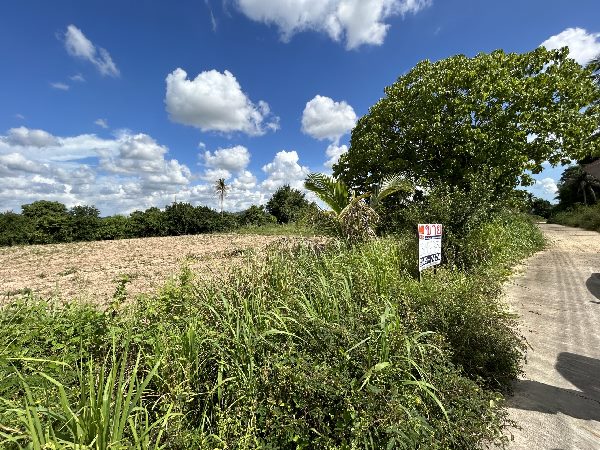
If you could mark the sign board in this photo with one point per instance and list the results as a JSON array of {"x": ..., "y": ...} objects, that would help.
[{"x": 430, "y": 245}]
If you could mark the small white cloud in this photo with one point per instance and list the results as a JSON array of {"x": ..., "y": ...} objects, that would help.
[
  {"x": 357, "y": 22},
  {"x": 78, "y": 45},
  {"x": 20, "y": 116},
  {"x": 60, "y": 86},
  {"x": 214, "y": 101},
  {"x": 284, "y": 169},
  {"x": 234, "y": 159},
  {"x": 334, "y": 152},
  {"x": 103, "y": 123},
  {"x": 548, "y": 185},
  {"x": 324, "y": 118},
  {"x": 583, "y": 46},
  {"x": 215, "y": 174},
  {"x": 25, "y": 137},
  {"x": 77, "y": 77}
]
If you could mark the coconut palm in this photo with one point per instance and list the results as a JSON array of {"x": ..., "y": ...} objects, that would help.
[
  {"x": 354, "y": 217},
  {"x": 575, "y": 182},
  {"x": 221, "y": 189}
]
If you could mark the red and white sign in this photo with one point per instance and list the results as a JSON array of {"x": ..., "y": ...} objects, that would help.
[{"x": 430, "y": 245}]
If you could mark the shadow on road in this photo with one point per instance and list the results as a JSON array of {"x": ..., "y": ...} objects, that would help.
[
  {"x": 581, "y": 371},
  {"x": 593, "y": 285}
]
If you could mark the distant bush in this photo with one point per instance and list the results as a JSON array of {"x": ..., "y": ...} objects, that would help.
[{"x": 581, "y": 216}]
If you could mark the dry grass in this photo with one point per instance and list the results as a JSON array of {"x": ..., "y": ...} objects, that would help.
[{"x": 88, "y": 271}]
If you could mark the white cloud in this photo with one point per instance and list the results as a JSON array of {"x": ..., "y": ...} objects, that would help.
[
  {"x": 324, "y": 118},
  {"x": 78, "y": 45},
  {"x": 548, "y": 185},
  {"x": 130, "y": 171},
  {"x": 284, "y": 169},
  {"x": 20, "y": 116},
  {"x": 26, "y": 137},
  {"x": 214, "y": 101},
  {"x": 103, "y": 123},
  {"x": 234, "y": 159},
  {"x": 583, "y": 46},
  {"x": 60, "y": 86},
  {"x": 334, "y": 152},
  {"x": 357, "y": 22},
  {"x": 77, "y": 77}
]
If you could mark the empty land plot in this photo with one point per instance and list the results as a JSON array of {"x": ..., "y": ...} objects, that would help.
[{"x": 89, "y": 271}]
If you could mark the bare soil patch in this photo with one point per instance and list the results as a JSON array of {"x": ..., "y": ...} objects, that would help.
[{"x": 89, "y": 271}]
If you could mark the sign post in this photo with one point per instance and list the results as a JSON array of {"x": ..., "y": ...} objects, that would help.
[{"x": 430, "y": 245}]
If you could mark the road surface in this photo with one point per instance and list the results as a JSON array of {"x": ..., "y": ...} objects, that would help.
[{"x": 557, "y": 295}]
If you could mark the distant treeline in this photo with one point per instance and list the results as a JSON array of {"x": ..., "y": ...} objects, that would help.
[{"x": 48, "y": 222}]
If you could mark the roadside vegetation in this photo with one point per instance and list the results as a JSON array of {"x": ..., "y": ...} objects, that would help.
[{"x": 334, "y": 344}]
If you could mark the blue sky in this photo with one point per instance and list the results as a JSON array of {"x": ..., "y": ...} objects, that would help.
[{"x": 127, "y": 105}]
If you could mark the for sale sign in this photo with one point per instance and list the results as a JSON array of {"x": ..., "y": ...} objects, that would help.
[{"x": 430, "y": 245}]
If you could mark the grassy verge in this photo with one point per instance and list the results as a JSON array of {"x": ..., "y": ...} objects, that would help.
[
  {"x": 587, "y": 217},
  {"x": 312, "y": 347}
]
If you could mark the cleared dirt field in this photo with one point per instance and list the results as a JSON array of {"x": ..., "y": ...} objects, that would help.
[{"x": 88, "y": 271}]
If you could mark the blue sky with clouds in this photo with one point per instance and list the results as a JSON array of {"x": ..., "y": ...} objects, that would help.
[{"x": 127, "y": 105}]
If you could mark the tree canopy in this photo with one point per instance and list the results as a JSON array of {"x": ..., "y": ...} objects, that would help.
[{"x": 490, "y": 117}]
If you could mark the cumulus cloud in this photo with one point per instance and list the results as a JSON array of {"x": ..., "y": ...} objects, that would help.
[
  {"x": 102, "y": 123},
  {"x": 79, "y": 46},
  {"x": 356, "y": 22},
  {"x": 583, "y": 46},
  {"x": 284, "y": 169},
  {"x": 130, "y": 171},
  {"x": 324, "y": 118},
  {"x": 26, "y": 137},
  {"x": 214, "y": 101},
  {"x": 548, "y": 185},
  {"x": 233, "y": 159},
  {"x": 334, "y": 152}
]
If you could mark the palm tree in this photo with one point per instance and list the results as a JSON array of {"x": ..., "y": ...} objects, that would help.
[
  {"x": 354, "y": 217},
  {"x": 575, "y": 180},
  {"x": 221, "y": 189}
]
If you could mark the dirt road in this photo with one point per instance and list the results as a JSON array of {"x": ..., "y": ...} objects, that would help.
[{"x": 557, "y": 295}]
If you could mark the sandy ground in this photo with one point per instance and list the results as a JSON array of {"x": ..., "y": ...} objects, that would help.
[
  {"x": 89, "y": 271},
  {"x": 557, "y": 295}
]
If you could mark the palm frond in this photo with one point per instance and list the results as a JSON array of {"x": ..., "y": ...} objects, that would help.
[
  {"x": 334, "y": 193},
  {"x": 390, "y": 185}
]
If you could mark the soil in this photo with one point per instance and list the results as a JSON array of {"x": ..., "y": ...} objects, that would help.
[
  {"x": 557, "y": 294},
  {"x": 89, "y": 271}
]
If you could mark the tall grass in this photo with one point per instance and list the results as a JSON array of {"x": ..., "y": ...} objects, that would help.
[
  {"x": 587, "y": 217},
  {"x": 318, "y": 347}
]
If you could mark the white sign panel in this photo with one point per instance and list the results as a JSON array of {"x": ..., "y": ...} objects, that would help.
[{"x": 430, "y": 245}]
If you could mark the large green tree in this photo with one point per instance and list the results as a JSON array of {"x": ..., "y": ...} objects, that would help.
[
  {"x": 287, "y": 204},
  {"x": 462, "y": 120}
]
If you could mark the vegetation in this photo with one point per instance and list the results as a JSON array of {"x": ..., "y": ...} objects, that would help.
[
  {"x": 587, "y": 217},
  {"x": 462, "y": 120},
  {"x": 45, "y": 222},
  {"x": 350, "y": 217},
  {"x": 330, "y": 345},
  {"x": 287, "y": 204},
  {"x": 311, "y": 347}
]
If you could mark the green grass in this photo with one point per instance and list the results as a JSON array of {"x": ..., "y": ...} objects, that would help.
[
  {"x": 311, "y": 347},
  {"x": 275, "y": 229},
  {"x": 587, "y": 217}
]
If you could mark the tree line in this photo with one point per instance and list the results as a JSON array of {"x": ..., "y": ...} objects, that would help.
[{"x": 50, "y": 222}]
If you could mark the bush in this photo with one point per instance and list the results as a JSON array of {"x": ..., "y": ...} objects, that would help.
[
  {"x": 587, "y": 217},
  {"x": 287, "y": 204}
]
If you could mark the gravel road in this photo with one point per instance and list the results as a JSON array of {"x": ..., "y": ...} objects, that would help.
[{"x": 557, "y": 295}]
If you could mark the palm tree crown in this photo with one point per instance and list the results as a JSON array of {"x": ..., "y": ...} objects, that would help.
[{"x": 221, "y": 189}]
